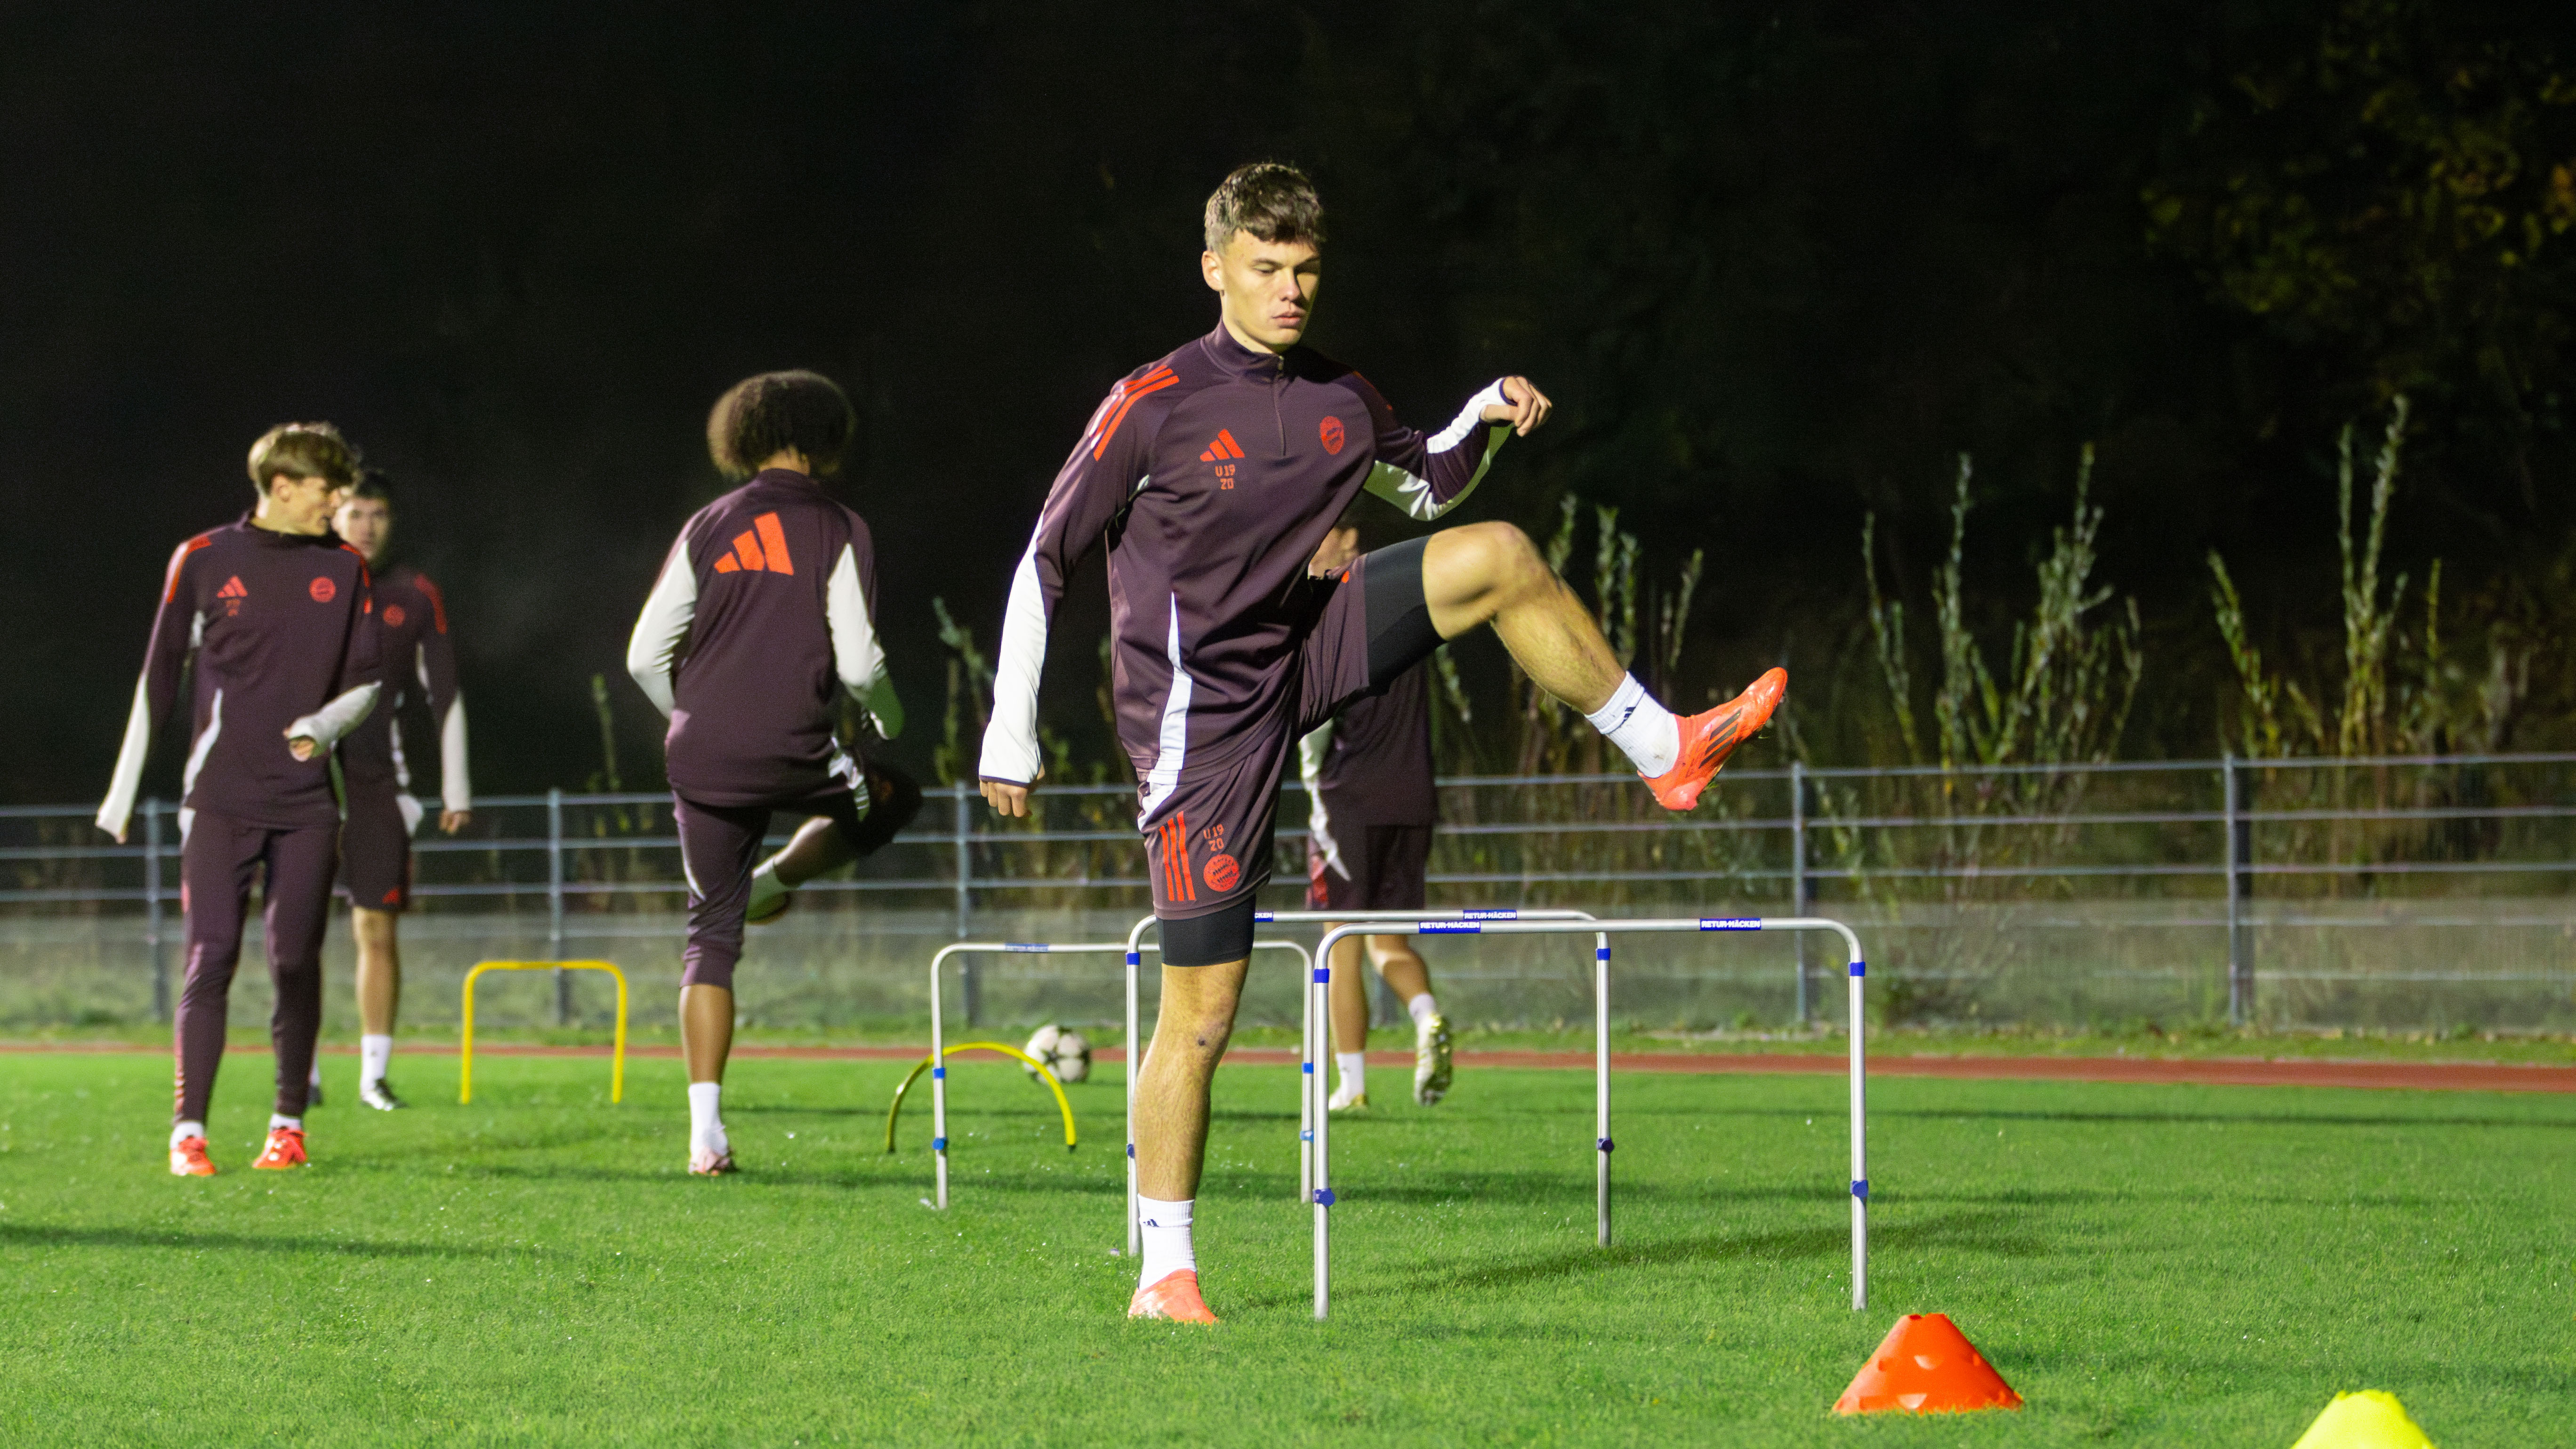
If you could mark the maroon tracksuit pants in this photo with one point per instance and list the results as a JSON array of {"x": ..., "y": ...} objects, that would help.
[{"x": 216, "y": 868}]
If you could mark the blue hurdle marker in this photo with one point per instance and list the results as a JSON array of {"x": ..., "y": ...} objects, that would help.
[
  {"x": 1602, "y": 931},
  {"x": 1135, "y": 1046},
  {"x": 1312, "y": 1050}
]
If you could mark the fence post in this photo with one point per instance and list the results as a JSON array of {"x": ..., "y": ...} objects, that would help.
[
  {"x": 555, "y": 903},
  {"x": 2240, "y": 888},
  {"x": 967, "y": 969},
  {"x": 152, "y": 911},
  {"x": 1798, "y": 871}
]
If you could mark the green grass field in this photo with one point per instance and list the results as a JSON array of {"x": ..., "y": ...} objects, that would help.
[{"x": 2147, "y": 1265}]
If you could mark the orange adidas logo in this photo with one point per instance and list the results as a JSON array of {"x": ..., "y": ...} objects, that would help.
[
  {"x": 1223, "y": 448},
  {"x": 232, "y": 589},
  {"x": 762, "y": 550}
]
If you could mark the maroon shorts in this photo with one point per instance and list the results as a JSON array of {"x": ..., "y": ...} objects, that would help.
[
  {"x": 1370, "y": 868},
  {"x": 1207, "y": 837},
  {"x": 720, "y": 846},
  {"x": 375, "y": 850}
]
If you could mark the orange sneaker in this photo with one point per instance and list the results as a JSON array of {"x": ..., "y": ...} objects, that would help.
[
  {"x": 188, "y": 1159},
  {"x": 1174, "y": 1296},
  {"x": 1707, "y": 739},
  {"x": 285, "y": 1148}
]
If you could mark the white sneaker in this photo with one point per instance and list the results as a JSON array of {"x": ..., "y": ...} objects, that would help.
[
  {"x": 1431, "y": 1060},
  {"x": 1346, "y": 1100},
  {"x": 769, "y": 899},
  {"x": 379, "y": 1094}
]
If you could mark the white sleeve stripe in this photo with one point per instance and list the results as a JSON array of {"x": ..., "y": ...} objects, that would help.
[
  {"x": 119, "y": 807},
  {"x": 455, "y": 789},
  {"x": 1011, "y": 739},
  {"x": 1173, "y": 747},
  {"x": 856, "y": 657},
  {"x": 661, "y": 627},
  {"x": 1468, "y": 417},
  {"x": 331, "y": 723}
]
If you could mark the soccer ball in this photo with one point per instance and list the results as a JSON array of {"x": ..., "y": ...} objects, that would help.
[{"x": 1063, "y": 1050}]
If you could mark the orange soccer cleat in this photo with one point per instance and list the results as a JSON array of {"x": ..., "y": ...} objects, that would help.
[
  {"x": 188, "y": 1159},
  {"x": 706, "y": 1163},
  {"x": 1707, "y": 739},
  {"x": 1174, "y": 1296},
  {"x": 285, "y": 1148}
]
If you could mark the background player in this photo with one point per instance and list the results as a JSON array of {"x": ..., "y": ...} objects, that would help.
[
  {"x": 1213, "y": 475},
  {"x": 1369, "y": 814},
  {"x": 760, "y": 623},
  {"x": 375, "y": 837},
  {"x": 276, "y": 612}
]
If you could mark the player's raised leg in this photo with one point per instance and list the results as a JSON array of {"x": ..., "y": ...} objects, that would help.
[
  {"x": 822, "y": 845},
  {"x": 1490, "y": 573}
]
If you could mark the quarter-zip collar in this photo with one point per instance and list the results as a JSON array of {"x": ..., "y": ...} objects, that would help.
[
  {"x": 1247, "y": 364},
  {"x": 280, "y": 538},
  {"x": 785, "y": 478}
]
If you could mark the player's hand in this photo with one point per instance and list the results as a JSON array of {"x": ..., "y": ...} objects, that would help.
[
  {"x": 119, "y": 834},
  {"x": 452, "y": 821},
  {"x": 1009, "y": 799},
  {"x": 302, "y": 747},
  {"x": 1523, "y": 406}
]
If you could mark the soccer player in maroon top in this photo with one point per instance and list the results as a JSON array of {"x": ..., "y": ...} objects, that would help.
[
  {"x": 278, "y": 615},
  {"x": 760, "y": 625},
  {"x": 375, "y": 770},
  {"x": 1369, "y": 813},
  {"x": 1212, "y": 475}
]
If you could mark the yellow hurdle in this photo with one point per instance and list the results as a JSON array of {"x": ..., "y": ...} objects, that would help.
[
  {"x": 1040, "y": 1067},
  {"x": 465, "y": 1058}
]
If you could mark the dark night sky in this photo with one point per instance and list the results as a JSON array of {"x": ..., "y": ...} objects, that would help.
[{"x": 1776, "y": 275}]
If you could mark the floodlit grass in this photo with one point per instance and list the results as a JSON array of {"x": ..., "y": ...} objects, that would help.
[{"x": 2147, "y": 1264}]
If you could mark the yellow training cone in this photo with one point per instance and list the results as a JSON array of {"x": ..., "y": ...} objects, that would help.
[{"x": 2371, "y": 1419}]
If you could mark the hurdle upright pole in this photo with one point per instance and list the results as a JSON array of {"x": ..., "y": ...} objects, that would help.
[
  {"x": 1601, "y": 1145},
  {"x": 1859, "y": 1136},
  {"x": 938, "y": 1085}
]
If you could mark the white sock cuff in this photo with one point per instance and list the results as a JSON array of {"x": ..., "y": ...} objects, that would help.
[
  {"x": 1623, "y": 702},
  {"x": 374, "y": 1053},
  {"x": 1354, "y": 1065},
  {"x": 1154, "y": 1212},
  {"x": 182, "y": 1131},
  {"x": 278, "y": 1119},
  {"x": 1422, "y": 1008}
]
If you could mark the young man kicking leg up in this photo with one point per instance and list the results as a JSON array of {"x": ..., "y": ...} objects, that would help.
[
  {"x": 761, "y": 623},
  {"x": 1213, "y": 474},
  {"x": 375, "y": 770},
  {"x": 1369, "y": 815},
  {"x": 277, "y": 613}
]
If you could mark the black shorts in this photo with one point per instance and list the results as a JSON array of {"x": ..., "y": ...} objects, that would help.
[
  {"x": 375, "y": 849},
  {"x": 1207, "y": 839},
  {"x": 1369, "y": 868}
]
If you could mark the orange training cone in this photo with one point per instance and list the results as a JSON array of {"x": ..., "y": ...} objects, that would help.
[{"x": 1927, "y": 1366}]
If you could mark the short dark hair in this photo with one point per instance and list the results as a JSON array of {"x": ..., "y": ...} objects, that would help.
[
  {"x": 1270, "y": 199},
  {"x": 759, "y": 417},
  {"x": 303, "y": 450},
  {"x": 371, "y": 484}
]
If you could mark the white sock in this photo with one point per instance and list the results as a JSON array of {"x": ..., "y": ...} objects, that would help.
[
  {"x": 1354, "y": 1067},
  {"x": 1643, "y": 729},
  {"x": 1165, "y": 1228},
  {"x": 185, "y": 1130},
  {"x": 276, "y": 1121},
  {"x": 1422, "y": 1009},
  {"x": 706, "y": 1122},
  {"x": 375, "y": 1053}
]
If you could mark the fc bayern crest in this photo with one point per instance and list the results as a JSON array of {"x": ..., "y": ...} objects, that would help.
[
  {"x": 1333, "y": 437},
  {"x": 393, "y": 616},
  {"x": 1222, "y": 873},
  {"x": 322, "y": 590}
]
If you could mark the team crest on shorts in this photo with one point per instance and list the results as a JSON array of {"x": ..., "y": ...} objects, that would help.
[{"x": 1222, "y": 872}]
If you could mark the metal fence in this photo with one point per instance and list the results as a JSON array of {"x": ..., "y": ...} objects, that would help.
[{"x": 2398, "y": 891}]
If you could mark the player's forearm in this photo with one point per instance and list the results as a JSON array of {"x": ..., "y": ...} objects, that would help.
[
  {"x": 130, "y": 756},
  {"x": 455, "y": 786},
  {"x": 1011, "y": 738},
  {"x": 328, "y": 725},
  {"x": 1449, "y": 465}
]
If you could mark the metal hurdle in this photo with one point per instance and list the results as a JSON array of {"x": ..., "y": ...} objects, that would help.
[
  {"x": 1135, "y": 1054},
  {"x": 1312, "y": 1049},
  {"x": 1602, "y": 930}
]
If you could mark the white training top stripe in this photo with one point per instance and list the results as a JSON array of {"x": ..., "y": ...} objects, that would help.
[
  {"x": 1011, "y": 739},
  {"x": 1310, "y": 768},
  {"x": 119, "y": 809},
  {"x": 1174, "y": 745},
  {"x": 331, "y": 723},
  {"x": 1411, "y": 492},
  {"x": 654, "y": 649},
  {"x": 455, "y": 789},
  {"x": 857, "y": 657}
]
